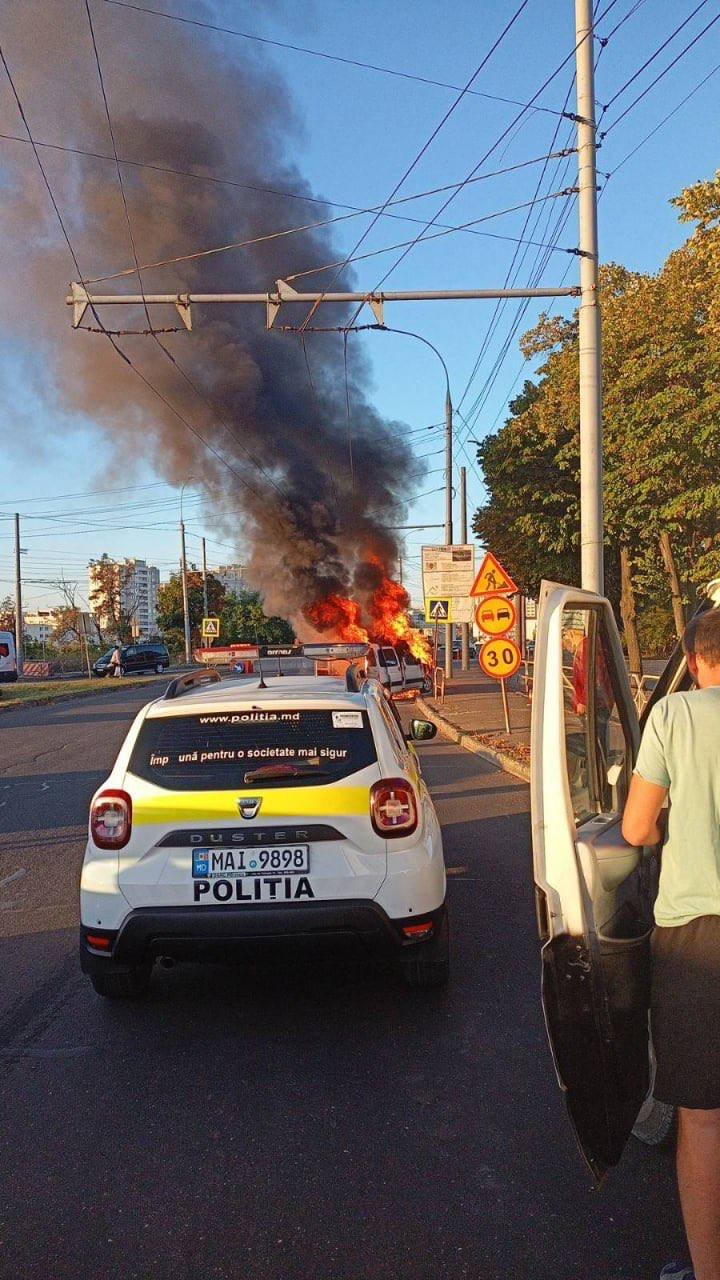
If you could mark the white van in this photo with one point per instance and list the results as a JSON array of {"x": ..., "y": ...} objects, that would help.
[
  {"x": 394, "y": 671},
  {"x": 8, "y": 657}
]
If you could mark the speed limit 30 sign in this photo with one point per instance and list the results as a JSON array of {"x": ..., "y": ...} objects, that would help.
[{"x": 500, "y": 658}]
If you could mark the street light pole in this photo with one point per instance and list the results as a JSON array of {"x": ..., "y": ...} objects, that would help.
[
  {"x": 204, "y": 573},
  {"x": 18, "y": 600},
  {"x": 448, "y": 527},
  {"x": 590, "y": 372},
  {"x": 183, "y": 575},
  {"x": 465, "y": 626}
]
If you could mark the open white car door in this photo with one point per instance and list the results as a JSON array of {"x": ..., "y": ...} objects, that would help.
[{"x": 594, "y": 891}]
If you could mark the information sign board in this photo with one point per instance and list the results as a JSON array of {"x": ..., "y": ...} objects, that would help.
[{"x": 448, "y": 573}]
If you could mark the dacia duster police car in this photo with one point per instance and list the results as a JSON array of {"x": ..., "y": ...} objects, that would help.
[{"x": 244, "y": 811}]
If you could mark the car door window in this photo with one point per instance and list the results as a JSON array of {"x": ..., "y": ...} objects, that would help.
[
  {"x": 394, "y": 729},
  {"x": 597, "y": 742}
]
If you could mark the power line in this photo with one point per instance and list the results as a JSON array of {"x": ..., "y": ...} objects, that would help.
[
  {"x": 58, "y": 497},
  {"x": 316, "y": 53},
  {"x": 454, "y": 105},
  {"x": 659, "y": 77},
  {"x": 498, "y": 310},
  {"x": 654, "y": 55},
  {"x": 161, "y": 345},
  {"x": 665, "y": 119},
  {"x": 356, "y": 211},
  {"x": 436, "y": 235},
  {"x": 485, "y": 157}
]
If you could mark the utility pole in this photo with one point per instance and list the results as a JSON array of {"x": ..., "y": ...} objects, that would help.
[
  {"x": 465, "y": 628},
  {"x": 206, "y": 610},
  {"x": 591, "y": 459},
  {"x": 18, "y": 600},
  {"x": 448, "y": 520},
  {"x": 186, "y": 606}
]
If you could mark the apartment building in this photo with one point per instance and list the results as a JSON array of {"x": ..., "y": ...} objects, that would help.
[
  {"x": 232, "y": 577},
  {"x": 133, "y": 585}
]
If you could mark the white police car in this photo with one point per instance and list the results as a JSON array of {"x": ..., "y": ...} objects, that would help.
[{"x": 242, "y": 812}]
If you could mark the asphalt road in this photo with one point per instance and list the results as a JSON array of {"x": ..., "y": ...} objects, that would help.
[{"x": 291, "y": 1122}]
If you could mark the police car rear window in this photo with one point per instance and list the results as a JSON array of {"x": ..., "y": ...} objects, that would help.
[{"x": 268, "y": 748}]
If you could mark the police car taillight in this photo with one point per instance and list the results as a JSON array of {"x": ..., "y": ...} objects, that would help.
[
  {"x": 111, "y": 819},
  {"x": 393, "y": 807}
]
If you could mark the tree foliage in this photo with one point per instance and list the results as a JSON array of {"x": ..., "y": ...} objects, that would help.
[
  {"x": 242, "y": 616},
  {"x": 661, "y": 341},
  {"x": 170, "y": 615},
  {"x": 245, "y": 622},
  {"x": 7, "y": 614}
]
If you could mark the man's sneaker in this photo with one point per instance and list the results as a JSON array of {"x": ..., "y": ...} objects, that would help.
[{"x": 676, "y": 1271}]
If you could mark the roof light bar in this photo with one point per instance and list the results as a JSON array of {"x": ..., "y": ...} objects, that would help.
[{"x": 348, "y": 651}]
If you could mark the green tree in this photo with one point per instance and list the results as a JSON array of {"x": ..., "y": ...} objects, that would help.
[
  {"x": 7, "y": 614},
  {"x": 245, "y": 622},
  {"x": 170, "y": 615},
  {"x": 661, "y": 338}
]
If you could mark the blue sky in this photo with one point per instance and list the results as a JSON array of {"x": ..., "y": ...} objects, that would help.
[{"x": 360, "y": 129}]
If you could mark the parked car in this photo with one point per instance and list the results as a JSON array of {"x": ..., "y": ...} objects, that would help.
[
  {"x": 134, "y": 658},
  {"x": 8, "y": 659}
]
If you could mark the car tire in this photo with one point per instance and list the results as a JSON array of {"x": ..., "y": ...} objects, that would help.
[
  {"x": 429, "y": 967},
  {"x": 122, "y": 984}
]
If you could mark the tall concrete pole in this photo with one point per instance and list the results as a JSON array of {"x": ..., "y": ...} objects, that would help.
[
  {"x": 18, "y": 600},
  {"x": 465, "y": 628},
  {"x": 186, "y": 605},
  {"x": 204, "y": 573},
  {"x": 591, "y": 456},
  {"x": 448, "y": 519}
]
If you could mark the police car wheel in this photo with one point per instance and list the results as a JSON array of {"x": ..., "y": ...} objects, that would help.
[
  {"x": 431, "y": 966},
  {"x": 125, "y": 984}
]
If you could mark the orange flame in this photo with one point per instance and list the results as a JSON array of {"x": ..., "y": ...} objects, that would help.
[{"x": 387, "y": 621}]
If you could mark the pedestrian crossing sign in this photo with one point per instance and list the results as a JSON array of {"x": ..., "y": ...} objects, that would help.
[
  {"x": 492, "y": 579},
  {"x": 210, "y": 628},
  {"x": 438, "y": 609}
]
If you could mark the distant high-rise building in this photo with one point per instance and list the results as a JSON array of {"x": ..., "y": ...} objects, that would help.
[
  {"x": 232, "y": 577},
  {"x": 133, "y": 588}
]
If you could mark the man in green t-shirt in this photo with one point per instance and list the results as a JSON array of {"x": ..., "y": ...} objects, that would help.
[{"x": 679, "y": 758}]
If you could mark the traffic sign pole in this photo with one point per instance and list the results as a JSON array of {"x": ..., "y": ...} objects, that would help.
[{"x": 506, "y": 707}]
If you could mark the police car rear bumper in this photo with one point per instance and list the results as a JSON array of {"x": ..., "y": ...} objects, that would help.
[{"x": 196, "y": 933}]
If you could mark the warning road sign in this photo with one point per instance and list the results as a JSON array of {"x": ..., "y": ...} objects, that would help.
[
  {"x": 495, "y": 615},
  {"x": 500, "y": 658},
  {"x": 437, "y": 610},
  {"x": 210, "y": 628},
  {"x": 492, "y": 578}
]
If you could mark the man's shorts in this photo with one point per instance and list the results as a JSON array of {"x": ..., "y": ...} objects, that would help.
[{"x": 685, "y": 1013}]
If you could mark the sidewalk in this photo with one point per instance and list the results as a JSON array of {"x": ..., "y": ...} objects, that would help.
[{"x": 472, "y": 715}]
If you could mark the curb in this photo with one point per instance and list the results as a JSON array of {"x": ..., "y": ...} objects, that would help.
[
  {"x": 71, "y": 697},
  {"x": 469, "y": 743}
]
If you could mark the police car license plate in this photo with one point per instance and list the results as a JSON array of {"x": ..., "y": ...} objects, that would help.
[{"x": 229, "y": 864}]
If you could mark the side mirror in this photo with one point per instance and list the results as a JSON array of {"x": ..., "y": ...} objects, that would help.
[{"x": 421, "y": 730}]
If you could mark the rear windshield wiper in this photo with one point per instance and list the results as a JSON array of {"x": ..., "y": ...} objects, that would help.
[{"x": 268, "y": 771}]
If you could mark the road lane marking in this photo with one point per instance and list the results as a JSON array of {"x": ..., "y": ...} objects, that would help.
[{"x": 14, "y": 875}]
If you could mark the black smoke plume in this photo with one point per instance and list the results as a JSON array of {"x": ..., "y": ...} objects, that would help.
[{"x": 181, "y": 98}]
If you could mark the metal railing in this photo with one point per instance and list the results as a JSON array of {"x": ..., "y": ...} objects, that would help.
[
  {"x": 439, "y": 684},
  {"x": 641, "y": 686}
]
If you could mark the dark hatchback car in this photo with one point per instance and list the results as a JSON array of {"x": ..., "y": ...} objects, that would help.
[{"x": 134, "y": 658}]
